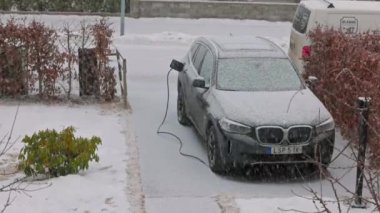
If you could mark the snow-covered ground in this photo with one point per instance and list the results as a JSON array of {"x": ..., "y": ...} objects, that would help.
[
  {"x": 100, "y": 188},
  {"x": 168, "y": 181}
]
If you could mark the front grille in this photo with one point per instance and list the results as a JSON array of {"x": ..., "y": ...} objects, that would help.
[
  {"x": 277, "y": 134},
  {"x": 299, "y": 134},
  {"x": 272, "y": 135}
]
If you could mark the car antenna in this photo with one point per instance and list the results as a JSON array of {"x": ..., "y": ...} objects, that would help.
[{"x": 331, "y": 5}]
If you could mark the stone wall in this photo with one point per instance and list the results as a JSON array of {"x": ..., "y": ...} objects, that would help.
[{"x": 270, "y": 11}]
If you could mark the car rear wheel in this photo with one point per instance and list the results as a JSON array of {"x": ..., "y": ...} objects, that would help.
[
  {"x": 213, "y": 152},
  {"x": 181, "y": 109}
]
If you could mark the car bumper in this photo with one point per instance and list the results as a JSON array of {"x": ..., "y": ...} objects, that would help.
[{"x": 244, "y": 150}]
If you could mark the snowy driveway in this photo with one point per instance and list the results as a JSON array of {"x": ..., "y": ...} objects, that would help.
[{"x": 172, "y": 183}]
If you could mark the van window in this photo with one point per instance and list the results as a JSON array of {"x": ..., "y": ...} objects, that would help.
[{"x": 301, "y": 19}]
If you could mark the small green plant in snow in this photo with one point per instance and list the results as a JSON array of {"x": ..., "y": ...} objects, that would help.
[{"x": 56, "y": 154}]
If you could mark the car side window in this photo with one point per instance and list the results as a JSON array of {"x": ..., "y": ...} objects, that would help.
[
  {"x": 193, "y": 51},
  {"x": 199, "y": 55},
  {"x": 207, "y": 67}
]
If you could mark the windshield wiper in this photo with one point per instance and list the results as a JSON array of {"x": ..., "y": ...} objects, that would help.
[{"x": 229, "y": 90}]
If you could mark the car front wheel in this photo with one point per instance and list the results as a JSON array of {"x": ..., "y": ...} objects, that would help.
[
  {"x": 181, "y": 109},
  {"x": 213, "y": 152}
]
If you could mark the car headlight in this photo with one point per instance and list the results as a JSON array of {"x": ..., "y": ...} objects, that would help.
[
  {"x": 234, "y": 127},
  {"x": 325, "y": 126}
]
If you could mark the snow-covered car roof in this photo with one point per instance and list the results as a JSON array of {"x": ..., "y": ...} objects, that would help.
[{"x": 247, "y": 46}]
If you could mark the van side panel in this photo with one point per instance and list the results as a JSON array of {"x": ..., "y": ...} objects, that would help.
[
  {"x": 320, "y": 19},
  {"x": 352, "y": 23}
]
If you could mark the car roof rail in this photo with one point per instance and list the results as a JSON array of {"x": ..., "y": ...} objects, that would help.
[
  {"x": 331, "y": 5},
  {"x": 273, "y": 43}
]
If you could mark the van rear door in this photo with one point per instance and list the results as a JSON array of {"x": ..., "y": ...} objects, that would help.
[{"x": 298, "y": 35}]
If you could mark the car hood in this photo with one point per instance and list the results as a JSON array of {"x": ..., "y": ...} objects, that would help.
[{"x": 280, "y": 108}]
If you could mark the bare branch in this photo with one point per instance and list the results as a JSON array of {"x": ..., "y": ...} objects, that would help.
[
  {"x": 9, "y": 143},
  {"x": 7, "y": 203}
]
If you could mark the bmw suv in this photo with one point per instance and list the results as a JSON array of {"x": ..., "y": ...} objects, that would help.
[{"x": 249, "y": 104}]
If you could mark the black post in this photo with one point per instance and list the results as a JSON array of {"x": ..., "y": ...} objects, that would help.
[{"x": 363, "y": 103}]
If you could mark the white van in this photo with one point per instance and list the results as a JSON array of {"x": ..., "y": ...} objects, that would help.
[{"x": 348, "y": 16}]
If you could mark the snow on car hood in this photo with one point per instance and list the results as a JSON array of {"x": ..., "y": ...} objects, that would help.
[{"x": 283, "y": 108}]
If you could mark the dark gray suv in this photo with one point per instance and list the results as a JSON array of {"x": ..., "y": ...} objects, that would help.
[{"x": 247, "y": 101}]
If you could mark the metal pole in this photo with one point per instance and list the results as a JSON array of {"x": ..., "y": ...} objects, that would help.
[
  {"x": 122, "y": 17},
  {"x": 125, "y": 83},
  {"x": 363, "y": 139},
  {"x": 120, "y": 68}
]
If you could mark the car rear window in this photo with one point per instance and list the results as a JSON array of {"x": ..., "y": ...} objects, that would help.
[{"x": 301, "y": 19}]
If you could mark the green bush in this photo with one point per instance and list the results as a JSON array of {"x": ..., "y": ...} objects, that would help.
[
  {"x": 5, "y": 5},
  {"x": 56, "y": 154}
]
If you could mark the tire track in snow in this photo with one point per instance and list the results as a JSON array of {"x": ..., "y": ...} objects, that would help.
[
  {"x": 135, "y": 194},
  {"x": 227, "y": 203}
]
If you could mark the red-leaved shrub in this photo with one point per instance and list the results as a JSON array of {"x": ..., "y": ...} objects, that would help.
[
  {"x": 33, "y": 61},
  {"x": 348, "y": 67},
  {"x": 29, "y": 54},
  {"x": 102, "y": 36}
]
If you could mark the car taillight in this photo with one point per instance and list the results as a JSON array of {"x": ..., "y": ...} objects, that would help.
[{"x": 306, "y": 51}]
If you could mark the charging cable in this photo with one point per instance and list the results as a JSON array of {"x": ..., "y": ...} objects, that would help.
[{"x": 172, "y": 134}]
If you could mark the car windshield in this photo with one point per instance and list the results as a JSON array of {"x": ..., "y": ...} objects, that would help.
[{"x": 257, "y": 74}]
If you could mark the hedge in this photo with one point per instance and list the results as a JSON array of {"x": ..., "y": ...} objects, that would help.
[
  {"x": 34, "y": 61},
  {"x": 348, "y": 67},
  {"x": 62, "y": 6}
]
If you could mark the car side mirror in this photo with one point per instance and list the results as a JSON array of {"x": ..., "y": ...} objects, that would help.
[
  {"x": 176, "y": 65},
  {"x": 199, "y": 83},
  {"x": 311, "y": 80}
]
